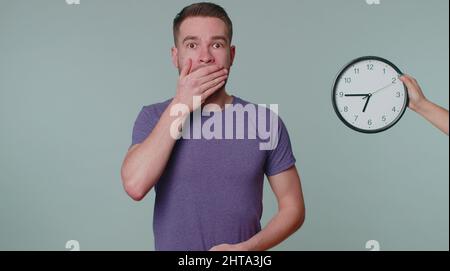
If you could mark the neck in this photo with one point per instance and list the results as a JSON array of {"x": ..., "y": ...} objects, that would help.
[{"x": 220, "y": 98}]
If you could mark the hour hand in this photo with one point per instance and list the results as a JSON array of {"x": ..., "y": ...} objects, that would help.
[{"x": 367, "y": 102}]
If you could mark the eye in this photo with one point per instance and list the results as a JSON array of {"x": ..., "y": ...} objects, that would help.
[
  {"x": 191, "y": 45},
  {"x": 217, "y": 45}
]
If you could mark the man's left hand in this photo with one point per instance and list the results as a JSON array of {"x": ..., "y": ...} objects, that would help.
[{"x": 229, "y": 247}]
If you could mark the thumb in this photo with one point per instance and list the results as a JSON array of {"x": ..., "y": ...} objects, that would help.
[{"x": 186, "y": 68}]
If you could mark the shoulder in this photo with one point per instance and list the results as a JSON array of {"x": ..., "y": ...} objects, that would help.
[
  {"x": 271, "y": 110},
  {"x": 155, "y": 110}
]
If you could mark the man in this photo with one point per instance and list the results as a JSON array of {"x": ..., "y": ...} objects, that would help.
[{"x": 209, "y": 191}]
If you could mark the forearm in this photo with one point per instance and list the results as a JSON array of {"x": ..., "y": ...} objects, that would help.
[
  {"x": 435, "y": 114},
  {"x": 281, "y": 226},
  {"x": 144, "y": 165}
]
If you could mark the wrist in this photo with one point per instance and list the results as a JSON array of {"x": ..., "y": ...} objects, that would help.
[
  {"x": 249, "y": 245},
  {"x": 176, "y": 101},
  {"x": 421, "y": 106}
]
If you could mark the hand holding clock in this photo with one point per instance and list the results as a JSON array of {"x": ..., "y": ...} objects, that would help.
[{"x": 435, "y": 114}]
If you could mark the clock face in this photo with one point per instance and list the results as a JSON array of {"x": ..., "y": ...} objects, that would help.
[{"x": 368, "y": 95}]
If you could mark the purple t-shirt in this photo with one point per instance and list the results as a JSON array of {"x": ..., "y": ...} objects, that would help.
[{"x": 211, "y": 189}]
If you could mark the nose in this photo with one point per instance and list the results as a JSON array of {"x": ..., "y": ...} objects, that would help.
[{"x": 206, "y": 57}]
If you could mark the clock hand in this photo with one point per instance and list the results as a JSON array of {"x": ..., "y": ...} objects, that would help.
[
  {"x": 355, "y": 95},
  {"x": 367, "y": 102},
  {"x": 382, "y": 88},
  {"x": 370, "y": 95}
]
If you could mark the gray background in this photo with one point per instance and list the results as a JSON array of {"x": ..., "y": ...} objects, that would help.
[{"x": 74, "y": 77}]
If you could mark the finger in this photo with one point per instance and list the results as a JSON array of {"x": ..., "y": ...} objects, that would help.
[
  {"x": 186, "y": 68},
  {"x": 212, "y": 83},
  {"x": 203, "y": 71},
  {"x": 210, "y": 91},
  {"x": 405, "y": 78},
  {"x": 412, "y": 79},
  {"x": 409, "y": 84},
  {"x": 212, "y": 76}
]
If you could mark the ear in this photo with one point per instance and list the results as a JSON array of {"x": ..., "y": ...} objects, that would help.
[
  {"x": 174, "y": 52},
  {"x": 232, "y": 54}
]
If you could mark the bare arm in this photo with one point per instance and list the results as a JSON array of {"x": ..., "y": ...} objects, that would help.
[
  {"x": 432, "y": 112},
  {"x": 145, "y": 163},
  {"x": 289, "y": 218}
]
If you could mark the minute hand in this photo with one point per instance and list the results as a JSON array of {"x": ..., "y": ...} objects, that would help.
[
  {"x": 380, "y": 89},
  {"x": 355, "y": 95}
]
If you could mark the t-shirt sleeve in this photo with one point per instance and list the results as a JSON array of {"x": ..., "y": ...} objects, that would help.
[
  {"x": 281, "y": 157},
  {"x": 144, "y": 124}
]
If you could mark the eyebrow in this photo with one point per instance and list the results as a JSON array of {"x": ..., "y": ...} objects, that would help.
[{"x": 223, "y": 38}]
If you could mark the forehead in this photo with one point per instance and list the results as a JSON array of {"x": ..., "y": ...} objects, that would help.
[{"x": 202, "y": 27}]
